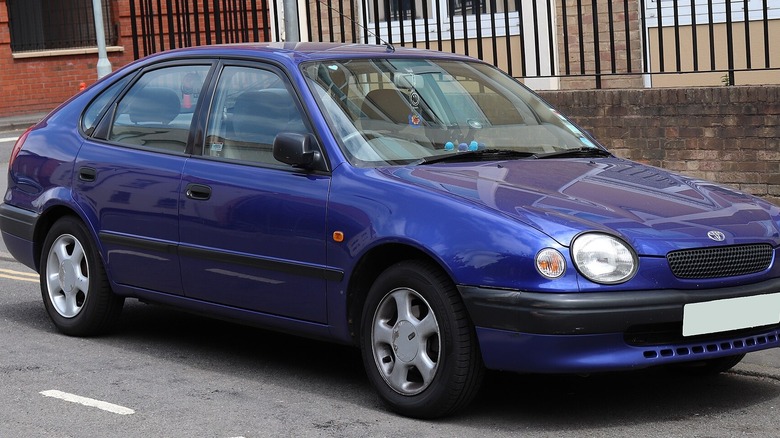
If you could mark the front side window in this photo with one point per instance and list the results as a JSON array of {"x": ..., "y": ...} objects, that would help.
[
  {"x": 251, "y": 106},
  {"x": 156, "y": 112},
  {"x": 399, "y": 111}
]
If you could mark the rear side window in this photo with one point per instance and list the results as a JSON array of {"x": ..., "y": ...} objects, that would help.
[{"x": 157, "y": 111}]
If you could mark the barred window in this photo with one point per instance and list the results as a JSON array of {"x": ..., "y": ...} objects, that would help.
[
  {"x": 55, "y": 24},
  {"x": 391, "y": 10}
]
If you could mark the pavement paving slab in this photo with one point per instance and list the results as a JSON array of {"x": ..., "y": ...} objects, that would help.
[{"x": 21, "y": 121}]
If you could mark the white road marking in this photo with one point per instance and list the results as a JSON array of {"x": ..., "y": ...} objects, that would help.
[
  {"x": 110, "y": 407},
  {"x": 5, "y": 139}
]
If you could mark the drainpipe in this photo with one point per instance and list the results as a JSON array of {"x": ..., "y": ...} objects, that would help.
[{"x": 103, "y": 65}]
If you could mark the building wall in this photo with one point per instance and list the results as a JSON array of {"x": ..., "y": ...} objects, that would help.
[
  {"x": 720, "y": 43},
  {"x": 582, "y": 49},
  {"x": 726, "y": 134},
  {"x": 38, "y": 81},
  {"x": 35, "y": 82}
]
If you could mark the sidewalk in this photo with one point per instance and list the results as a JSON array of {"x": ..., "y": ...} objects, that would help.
[{"x": 20, "y": 122}]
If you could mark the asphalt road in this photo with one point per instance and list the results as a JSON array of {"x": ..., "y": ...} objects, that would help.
[{"x": 164, "y": 373}]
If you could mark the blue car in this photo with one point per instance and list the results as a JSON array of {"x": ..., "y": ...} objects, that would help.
[{"x": 422, "y": 206}]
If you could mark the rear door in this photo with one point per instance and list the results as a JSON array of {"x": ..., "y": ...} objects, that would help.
[
  {"x": 252, "y": 228},
  {"x": 128, "y": 175}
]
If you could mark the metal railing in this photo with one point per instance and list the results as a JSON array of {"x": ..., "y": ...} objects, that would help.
[
  {"x": 34, "y": 26},
  {"x": 749, "y": 21},
  {"x": 158, "y": 25},
  {"x": 594, "y": 39}
]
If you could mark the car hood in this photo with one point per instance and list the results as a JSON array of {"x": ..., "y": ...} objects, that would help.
[{"x": 654, "y": 210}]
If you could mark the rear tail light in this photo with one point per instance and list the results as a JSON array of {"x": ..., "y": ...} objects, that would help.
[{"x": 18, "y": 146}]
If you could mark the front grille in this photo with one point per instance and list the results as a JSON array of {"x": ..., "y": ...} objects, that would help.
[{"x": 722, "y": 261}]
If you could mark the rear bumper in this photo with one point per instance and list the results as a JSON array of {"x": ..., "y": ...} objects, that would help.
[
  {"x": 604, "y": 331},
  {"x": 18, "y": 229}
]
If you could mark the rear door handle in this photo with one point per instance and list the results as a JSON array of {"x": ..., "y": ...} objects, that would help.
[
  {"x": 198, "y": 192},
  {"x": 87, "y": 174}
]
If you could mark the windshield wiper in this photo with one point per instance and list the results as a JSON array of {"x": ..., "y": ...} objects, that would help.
[
  {"x": 479, "y": 155},
  {"x": 576, "y": 153}
]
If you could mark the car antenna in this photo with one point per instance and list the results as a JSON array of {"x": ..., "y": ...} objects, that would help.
[{"x": 387, "y": 45}]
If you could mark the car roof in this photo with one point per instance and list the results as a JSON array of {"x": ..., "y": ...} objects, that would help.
[{"x": 305, "y": 51}]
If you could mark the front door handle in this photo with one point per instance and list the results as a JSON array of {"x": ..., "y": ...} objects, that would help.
[{"x": 198, "y": 192}]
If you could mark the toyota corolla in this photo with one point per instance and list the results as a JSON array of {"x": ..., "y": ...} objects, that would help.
[{"x": 422, "y": 206}]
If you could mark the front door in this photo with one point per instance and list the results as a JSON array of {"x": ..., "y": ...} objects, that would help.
[{"x": 252, "y": 229}]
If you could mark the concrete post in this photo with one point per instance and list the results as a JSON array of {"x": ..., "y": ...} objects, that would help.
[
  {"x": 103, "y": 65},
  {"x": 291, "y": 31}
]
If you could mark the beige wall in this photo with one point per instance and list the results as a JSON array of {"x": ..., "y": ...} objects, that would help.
[{"x": 765, "y": 77}]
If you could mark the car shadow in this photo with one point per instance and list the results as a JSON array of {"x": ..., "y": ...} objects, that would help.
[
  {"x": 507, "y": 401},
  {"x": 566, "y": 402}
]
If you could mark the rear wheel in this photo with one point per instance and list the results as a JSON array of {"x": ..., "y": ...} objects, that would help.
[
  {"x": 74, "y": 285},
  {"x": 419, "y": 347}
]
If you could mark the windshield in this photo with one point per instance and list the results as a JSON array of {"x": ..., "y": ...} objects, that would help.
[{"x": 401, "y": 111}]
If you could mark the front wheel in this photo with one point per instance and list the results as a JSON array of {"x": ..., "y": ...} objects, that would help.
[
  {"x": 418, "y": 345},
  {"x": 74, "y": 285}
]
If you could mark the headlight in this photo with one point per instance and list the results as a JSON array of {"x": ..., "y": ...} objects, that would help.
[{"x": 604, "y": 259}]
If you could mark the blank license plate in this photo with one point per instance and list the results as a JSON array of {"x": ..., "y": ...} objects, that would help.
[{"x": 730, "y": 314}]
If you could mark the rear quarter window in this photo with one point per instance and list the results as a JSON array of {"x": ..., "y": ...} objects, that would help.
[{"x": 91, "y": 117}]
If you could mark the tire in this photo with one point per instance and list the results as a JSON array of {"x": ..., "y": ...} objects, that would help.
[
  {"x": 423, "y": 360},
  {"x": 74, "y": 285},
  {"x": 711, "y": 367}
]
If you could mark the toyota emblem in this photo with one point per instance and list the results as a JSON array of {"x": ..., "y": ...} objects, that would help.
[{"x": 716, "y": 236}]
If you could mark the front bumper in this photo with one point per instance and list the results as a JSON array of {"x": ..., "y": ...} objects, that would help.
[{"x": 605, "y": 331}]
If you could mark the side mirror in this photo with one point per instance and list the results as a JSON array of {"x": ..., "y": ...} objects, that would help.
[{"x": 298, "y": 150}]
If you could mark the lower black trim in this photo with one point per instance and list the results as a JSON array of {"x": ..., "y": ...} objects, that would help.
[
  {"x": 17, "y": 221},
  {"x": 271, "y": 265},
  {"x": 222, "y": 256},
  {"x": 591, "y": 313},
  {"x": 668, "y": 334},
  {"x": 135, "y": 242}
]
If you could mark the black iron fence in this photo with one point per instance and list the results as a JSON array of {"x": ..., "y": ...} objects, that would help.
[
  {"x": 745, "y": 23},
  {"x": 158, "y": 25},
  {"x": 543, "y": 39},
  {"x": 64, "y": 24}
]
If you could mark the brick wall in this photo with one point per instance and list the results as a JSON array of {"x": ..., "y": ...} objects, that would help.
[
  {"x": 726, "y": 134},
  {"x": 38, "y": 84}
]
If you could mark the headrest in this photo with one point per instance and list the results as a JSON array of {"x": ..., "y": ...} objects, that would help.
[{"x": 154, "y": 105}]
